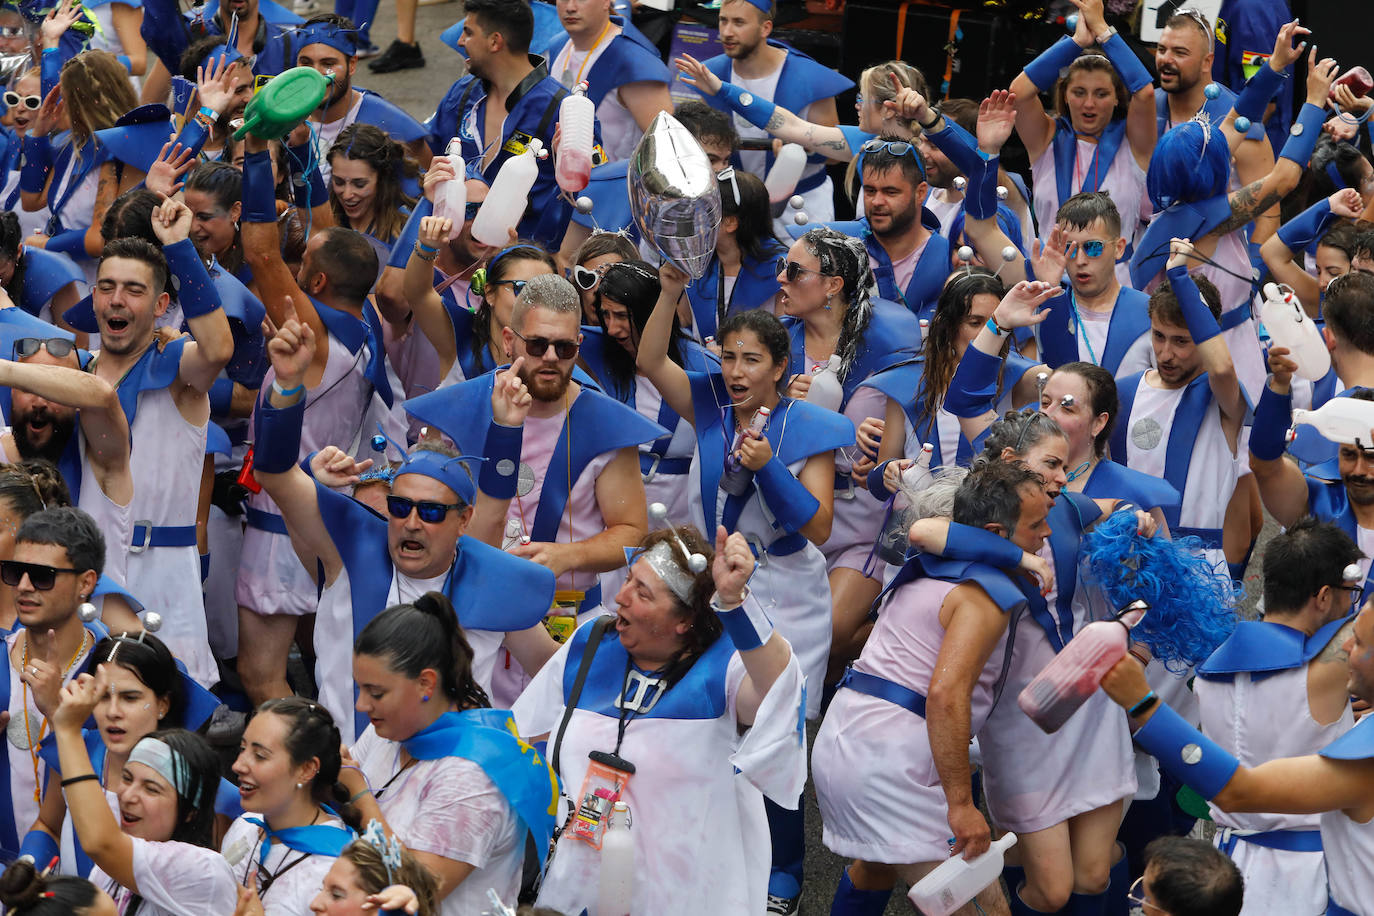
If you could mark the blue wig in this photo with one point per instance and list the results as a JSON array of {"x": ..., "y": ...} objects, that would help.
[
  {"x": 1191, "y": 163},
  {"x": 1192, "y": 606}
]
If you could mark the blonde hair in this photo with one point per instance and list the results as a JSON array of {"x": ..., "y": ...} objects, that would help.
[
  {"x": 97, "y": 92},
  {"x": 875, "y": 84}
]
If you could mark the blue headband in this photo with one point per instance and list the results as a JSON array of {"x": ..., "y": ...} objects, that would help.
[
  {"x": 345, "y": 41},
  {"x": 451, "y": 472}
]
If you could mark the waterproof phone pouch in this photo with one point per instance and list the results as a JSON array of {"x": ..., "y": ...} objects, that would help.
[{"x": 607, "y": 777}]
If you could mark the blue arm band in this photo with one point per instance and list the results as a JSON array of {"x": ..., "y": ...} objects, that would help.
[
  {"x": 259, "y": 202},
  {"x": 1057, "y": 335},
  {"x": 195, "y": 290},
  {"x": 960, "y": 147},
  {"x": 964, "y": 542},
  {"x": 876, "y": 485},
  {"x": 1044, "y": 70},
  {"x": 125, "y": 62},
  {"x": 193, "y": 136},
  {"x": 50, "y": 70},
  {"x": 71, "y": 242},
  {"x": 791, "y": 503},
  {"x": 981, "y": 200},
  {"x": 312, "y": 192},
  {"x": 221, "y": 396},
  {"x": 498, "y": 476},
  {"x": 37, "y": 158},
  {"x": 1202, "y": 324},
  {"x": 1255, "y": 97},
  {"x": 1132, "y": 71},
  {"x": 752, "y": 108},
  {"x": 974, "y": 385},
  {"x": 41, "y": 846},
  {"x": 1302, "y": 136},
  {"x": 1308, "y": 226},
  {"x": 277, "y": 436},
  {"x": 1174, "y": 743},
  {"x": 1273, "y": 416},
  {"x": 748, "y": 625}
]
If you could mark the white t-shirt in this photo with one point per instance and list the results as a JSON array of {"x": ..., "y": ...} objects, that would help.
[
  {"x": 292, "y": 878},
  {"x": 174, "y": 879}
]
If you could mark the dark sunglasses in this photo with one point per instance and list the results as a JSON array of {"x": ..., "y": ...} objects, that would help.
[
  {"x": 517, "y": 286},
  {"x": 41, "y": 577},
  {"x": 1092, "y": 249},
  {"x": 538, "y": 346},
  {"x": 57, "y": 347},
  {"x": 14, "y": 99},
  {"x": 792, "y": 270},
  {"x": 585, "y": 278},
  {"x": 897, "y": 148},
  {"x": 431, "y": 512}
]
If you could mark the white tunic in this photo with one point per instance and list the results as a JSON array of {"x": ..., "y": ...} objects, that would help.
[
  {"x": 876, "y": 782},
  {"x": 298, "y": 875},
  {"x": 448, "y": 808},
  {"x": 669, "y": 489},
  {"x": 174, "y": 879},
  {"x": 857, "y": 516},
  {"x": 1258, "y": 721},
  {"x": 620, "y": 133},
  {"x": 1349, "y": 848},
  {"x": 115, "y": 522}
]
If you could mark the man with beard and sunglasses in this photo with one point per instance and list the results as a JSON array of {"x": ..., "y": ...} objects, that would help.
[
  {"x": 58, "y": 557},
  {"x": 328, "y": 44},
  {"x": 366, "y": 563},
  {"x": 49, "y": 395},
  {"x": 572, "y": 475}
]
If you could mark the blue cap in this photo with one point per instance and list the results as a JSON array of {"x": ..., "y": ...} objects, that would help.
[
  {"x": 451, "y": 472},
  {"x": 766, "y": 6}
]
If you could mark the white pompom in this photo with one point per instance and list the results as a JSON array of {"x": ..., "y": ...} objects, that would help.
[
  {"x": 797, "y": 202},
  {"x": 584, "y": 205},
  {"x": 1009, "y": 253},
  {"x": 965, "y": 253},
  {"x": 152, "y": 621}
]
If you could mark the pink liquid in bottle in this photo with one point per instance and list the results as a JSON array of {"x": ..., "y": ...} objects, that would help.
[
  {"x": 573, "y": 164},
  {"x": 1076, "y": 672},
  {"x": 1357, "y": 78}
]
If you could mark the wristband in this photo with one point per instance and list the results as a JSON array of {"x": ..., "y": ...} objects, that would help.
[
  {"x": 221, "y": 397},
  {"x": 1255, "y": 96},
  {"x": 1044, "y": 70},
  {"x": 974, "y": 386},
  {"x": 259, "y": 202},
  {"x": 791, "y": 504},
  {"x": 50, "y": 70},
  {"x": 1308, "y": 226},
  {"x": 748, "y": 625},
  {"x": 501, "y": 454},
  {"x": 752, "y": 108},
  {"x": 1185, "y": 753},
  {"x": 1302, "y": 136},
  {"x": 1132, "y": 71},
  {"x": 1146, "y": 703},
  {"x": 421, "y": 246},
  {"x": 307, "y": 188},
  {"x": 195, "y": 290},
  {"x": 34, "y": 162},
  {"x": 933, "y": 122},
  {"x": 277, "y": 436},
  {"x": 41, "y": 846},
  {"x": 193, "y": 135},
  {"x": 980, "y": 201},
  {"x": 977, "y": 545},
  {"x": 287, "y": 392},
  {"x": 1202, "y": 324},
  {"x": 354, "y": 799},
  {"x": 84, "y": 777},
  {"x": 424, "y": 256},
  {"x": 876, "y": 484},
  {"x": 1273, "y": 417},
  {"x": 71, "y": 242},
  {"x": 996, "y": 328}
]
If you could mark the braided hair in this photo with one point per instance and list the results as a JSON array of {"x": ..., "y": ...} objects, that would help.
[{"x": 845, "y": 257}]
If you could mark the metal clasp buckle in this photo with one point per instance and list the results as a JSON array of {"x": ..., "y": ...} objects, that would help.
[
  {"x": 648, "y": 476},
  {"x": 147, "y": 526}
]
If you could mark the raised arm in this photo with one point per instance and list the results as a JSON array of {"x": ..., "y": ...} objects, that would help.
[
  {"x": 213, "y": 343},
  {"x": 1034, "y": 125},
  {"x": 830, "y": 142},
  {"x": 1280, "y": 249},
  {"x": 1211, "y": 346},
  {"x": 1142, "y": 127},
  {"x": 1282, "y": 486},
  {"x": 652, "y": 357},
  {"x": 426, "y": 305},
  {"x": 764, "y": 653}
]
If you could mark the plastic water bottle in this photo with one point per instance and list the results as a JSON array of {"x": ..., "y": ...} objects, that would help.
[
  {"x": 508, "y": 197},
  {"x": 1075, "y": 673},
  {"x": 958, "y": 880},
  {"x": 892, "y": 543},
  {"x": 573, "y": 164},
  {"x": 786, "y": 172},
  {"x": 451, "y": 198},
  {"x": 615, "y": 891},
  {"x": 1345, "y": 421},
  {"x": 736, "y": 478},
  {"x": 512, "y": 536},
  {"x": 1289, "y": 326},
  {"x": 826, "y": 390}
]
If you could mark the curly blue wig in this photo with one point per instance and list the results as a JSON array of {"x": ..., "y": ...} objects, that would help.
[
  {"x": 1192, "y": 605},
  {"x": 1191, "y": 162}
]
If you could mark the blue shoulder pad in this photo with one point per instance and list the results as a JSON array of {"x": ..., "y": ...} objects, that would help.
[
  {"x": 495, "y": 590},
  {"x": 378, "y": 111},
  {"x": 1356, "y": 744},
  {"x": 823, "y": 431}
]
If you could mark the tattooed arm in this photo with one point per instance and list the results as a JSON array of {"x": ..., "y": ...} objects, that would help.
[{"x": 1258, "y": 196}]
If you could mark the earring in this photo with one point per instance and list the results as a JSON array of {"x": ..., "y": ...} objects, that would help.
[
  {"x": 300, "y": 785},
  {"x": 829, "y": 298},
  {"x": 424, "y": 699}
]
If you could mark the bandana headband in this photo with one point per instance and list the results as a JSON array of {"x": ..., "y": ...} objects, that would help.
[
  {"x": 662, "y": 561},
  {"x": 159, "y": 757}
]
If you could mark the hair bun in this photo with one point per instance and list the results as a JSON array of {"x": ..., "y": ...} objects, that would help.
[{"x": 21, "y": 886}]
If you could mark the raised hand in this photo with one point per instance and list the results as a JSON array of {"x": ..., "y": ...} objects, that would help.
[
  {"x": 672, "y": 280},
  {"x": 996, "y": 119},
  {"x": 510, "y": 399},
  {"x": 1091, "y": 14},
  {"x": 1181, "y": 251},
  {"x": 58, "y": 21},
  {"x": 291, "y": 349},
  {"x": 164, "y": 176},
  {"x": 1320, "y": 76},
  {"x": 434, "y": 231},
  {"x": 440, "y": 170},
  {"x": 1349, "y": 101},
  {"x": 731, "y": 567},
  {"x": 215, "y": 84},
  {"x": 43, "y": 674},
  {"x": 336, "y": 469},
  {"x": 907, "y": 104},
  {"x": 49, "y": 113},
  {"x": 1281, "y": 369},
  {"x": 1050, "y": 259},
  {"x": 1285, "y": 52},
  {"x": 694, "y": 73},
  {"x": 1018, "y": 308},
  {"x": 1347, "y": 203},
  {"x": 171, "y": 221},
  {"x": 77, "y": 699}
]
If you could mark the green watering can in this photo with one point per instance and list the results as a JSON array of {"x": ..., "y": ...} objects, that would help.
[{"x": 283, "y": 103}]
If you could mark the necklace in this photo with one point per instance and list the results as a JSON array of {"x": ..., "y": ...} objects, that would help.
[
  {"x": 22, "y": 730},
  {"x": 1079, "y": 471}
]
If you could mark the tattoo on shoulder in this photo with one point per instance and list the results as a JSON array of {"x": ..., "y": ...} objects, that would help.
[
  {"x": 1334, "y": 653},
  {"x": 1246, "y": 204}
]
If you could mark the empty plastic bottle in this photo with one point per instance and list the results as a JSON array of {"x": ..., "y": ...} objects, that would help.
[
  {"x": 1347, "y": 421},
  {"x": 1289, "y": 326},
  {"x": 958, "y": 880},
  {"x": 826, "y": 390},
  {"x": 786, "y": 172},
  {"x": 892, "y": 543},
  {"x": 616, "y": 887},
  {"x": 451, "y": 198},
  {"x": 508, "y": 198}
]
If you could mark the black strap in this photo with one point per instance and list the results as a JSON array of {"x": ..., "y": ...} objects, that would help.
[
  {"x": 550, "y": 111},
  {"x": 588, "y": 652}
]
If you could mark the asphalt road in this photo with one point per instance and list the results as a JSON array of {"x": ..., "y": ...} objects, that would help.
[{"x": 418, "y": 92}]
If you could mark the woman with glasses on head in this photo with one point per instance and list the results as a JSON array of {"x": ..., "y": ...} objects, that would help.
[
  {"x": 742, "y": 272},
  {"x": 1104, "y": 130},
  {"x": 625, "y": 298},
  {"x": 598, "y": 252}
]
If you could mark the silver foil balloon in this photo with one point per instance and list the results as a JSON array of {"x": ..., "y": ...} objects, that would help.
[{"x": 674, "y": 196}]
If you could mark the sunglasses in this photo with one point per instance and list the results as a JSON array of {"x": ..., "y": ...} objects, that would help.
[
  {"x": 1092, "y": 249},
  {"x": 57, "y": 347},
  {"x": 538, "y": 346},
  {"x": 516, "y": 286},
  {"x": 584, "y": 278},
  {"x": 728, "y": 174},
  {"x": 12, "y": 31},
  {"x": 430, "y": 511},
  {"x": 14, "y": 99},
  {"x": 43, "y": 578},
  {"x": 894, "y": 147},
  {"x": 792, "y": 270}
]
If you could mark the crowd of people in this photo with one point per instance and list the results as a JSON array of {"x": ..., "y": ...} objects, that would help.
[{"x": 351, "y": 564}]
